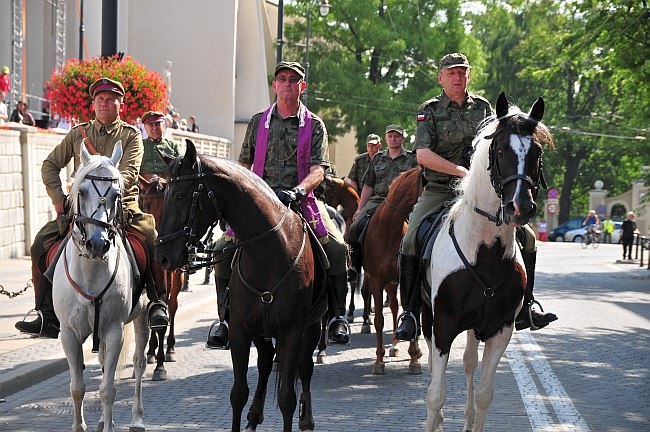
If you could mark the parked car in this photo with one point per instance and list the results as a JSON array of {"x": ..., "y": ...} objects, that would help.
[
  {"x": 578, "y": 234},
  {"x": 557, "y": 233}
]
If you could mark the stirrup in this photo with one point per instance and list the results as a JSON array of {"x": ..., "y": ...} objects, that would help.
[
  {"x": 345, "y": 323},
  {"x": 400, "y": 320},
  {"x": 533, "y": 327},
  {"x": 163, "y": 307},
  {"x": 218, "y": 323},
  {"x": 40, "y": 314}
]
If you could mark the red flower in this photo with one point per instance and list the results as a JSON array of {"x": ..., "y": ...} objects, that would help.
[{"x": 145, "y": 89}]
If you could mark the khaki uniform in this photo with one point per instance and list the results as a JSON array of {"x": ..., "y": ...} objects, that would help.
[
  {"x": 281, "y": 170},
  {"x": 151, "y": 161},
  {"x": 358, "y": 169},
  {"x": 448, "y": 130}
]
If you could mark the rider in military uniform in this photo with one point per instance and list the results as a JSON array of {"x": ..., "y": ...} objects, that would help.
[
  {"x": 362, "y": 162},
  {"x": 152, "y": 164},
  {"x": 100, "y": 136},
  {"x": 383, "y": 168},
  {"x": 446, "y": 127}
]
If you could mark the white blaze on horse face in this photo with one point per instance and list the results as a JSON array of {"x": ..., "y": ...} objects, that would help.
[{"x": 520, "y": 145}]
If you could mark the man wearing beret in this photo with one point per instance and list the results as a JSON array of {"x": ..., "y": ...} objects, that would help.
[
  {"x": 99, "y": 136},
  {"x": 270, "y": 148},
  {"x": 361, "y": 162},
  {"x": 446, "y": 127}
]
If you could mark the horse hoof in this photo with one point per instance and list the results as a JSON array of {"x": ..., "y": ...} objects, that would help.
[
  {"x": 170, "y": 357},
  {"x": 415, "y": 369},
  {"x": 159, "y": 375},
  {"x": 365, "y": 328},
  {"x": 393, "y": 352},
  {"x": 350, "y": 318},
  {"x": 379, "y": 368},
  {"x": 321, "y": 358},
  {"x": 151, "y": 359}
]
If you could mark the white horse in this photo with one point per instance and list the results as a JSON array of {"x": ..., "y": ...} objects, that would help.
[
  {"x": 94, "y": 270},
  {"x": 477, "y": 276}
]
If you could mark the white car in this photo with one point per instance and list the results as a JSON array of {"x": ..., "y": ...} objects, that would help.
[{"x": 577, "y": 235}]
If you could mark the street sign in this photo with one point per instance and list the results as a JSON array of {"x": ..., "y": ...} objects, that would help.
[
  {"x": 551, "y": 208},
  {"x": 552, "y": 201},
  {"x": 553, "y": 193}
]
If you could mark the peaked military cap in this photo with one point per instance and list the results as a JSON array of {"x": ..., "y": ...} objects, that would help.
[
  {"x": 106, "y": 84},
  {"x": 372, "y": 139},
  {"x": 294, "y": 66},
  {"x": 153, "y": 117},
  {"x": 453, "y": 60},
  {"x": 395, "y": 128}
]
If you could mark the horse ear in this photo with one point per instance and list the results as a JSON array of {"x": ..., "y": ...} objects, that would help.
[
  {"x": 190, "y": 152},
  {"x": 117, "y": 153},
  {"x": 84, "y": 154},
  {"x": 537, "y": 110},
  {"x": 502, "y": 105}
]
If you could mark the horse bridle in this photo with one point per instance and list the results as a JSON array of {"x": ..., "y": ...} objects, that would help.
[
  {"x": 114, "y": 224},
  {"x": 499, "y": 182}
]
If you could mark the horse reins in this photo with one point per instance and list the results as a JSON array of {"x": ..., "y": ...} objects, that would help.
[{"x": 113, "y": 230}]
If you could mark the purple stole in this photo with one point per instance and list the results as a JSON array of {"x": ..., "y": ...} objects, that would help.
[{"x": 308, "y": 203}]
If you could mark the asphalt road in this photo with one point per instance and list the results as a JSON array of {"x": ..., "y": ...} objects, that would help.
[{"x": 589, "y": 371}]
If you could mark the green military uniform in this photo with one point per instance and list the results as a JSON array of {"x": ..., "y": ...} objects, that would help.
[
  {"x": 151, "y": 161},
  {"x": 358, "y": 169},
  {"x": 281, "y": 169},
  {"x": 448, "y": 130},
  {"x": 382, "y": 171}
]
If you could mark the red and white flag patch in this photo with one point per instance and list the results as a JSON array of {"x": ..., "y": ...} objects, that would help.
[{"x": 420, "y": 116}]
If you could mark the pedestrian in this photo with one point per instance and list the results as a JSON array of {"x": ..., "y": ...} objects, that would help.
[
  {"x": 384, "y": 167},
  {"x": 21, "y": 115},
  {"x": 541, "y": 229},
  {"x": 608, "y": 229},
  {"x": 3, "y": 109},
  {"x": 446, "y": 127},
  {"x": 628, "y": 231},
  {"x": 5, "y": 81},
  {"x": 287, "y": 146},
  {"x": 192, "y": 126},
  {"x": 100, "y": 136},
  {"x": 361, "y": 162}
]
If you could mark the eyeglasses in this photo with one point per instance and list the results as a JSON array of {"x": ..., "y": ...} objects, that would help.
[{"x": 292, "y": 79}]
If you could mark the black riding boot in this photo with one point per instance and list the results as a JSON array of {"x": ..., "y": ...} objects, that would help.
[
  {"x": 157, "y": 308},
  {"x": 338, "y": 327},
  {"x": 46, "y": 324},
  {"x": 407, "y": 323},
  {"x": 219, "y": 338},
  {"x": 528, "y": 317}
]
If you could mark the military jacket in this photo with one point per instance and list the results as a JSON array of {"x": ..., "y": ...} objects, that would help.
[
  {"x": 448, "y": 130},
  {"x": 103, "y": 138},
  {"x": 383, "y": 169},
  {"x": 281, "y": 164},
  {"x": 151, "y": 161},
  {"x": 359, "y": 167}
]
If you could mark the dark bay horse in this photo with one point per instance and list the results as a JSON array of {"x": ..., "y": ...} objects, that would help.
[
  {"x": 340, "y": 193},
  {"x": 386, "y": 229},
  {"x": 277, "y": 288},
  {"x": 152, "y": 193},
  {"x": 476, "y": 275}
]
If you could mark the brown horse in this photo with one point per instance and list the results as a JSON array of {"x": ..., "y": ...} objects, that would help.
[
  {"x": 380, "y": 249},
  {"x": 152, "y": 192},
  {"x": 340, "y": 193},
  {"x": 277, "y": 288}
]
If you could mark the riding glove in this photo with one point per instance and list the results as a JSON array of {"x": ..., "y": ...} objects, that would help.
[{"x": 286, "y": 197}]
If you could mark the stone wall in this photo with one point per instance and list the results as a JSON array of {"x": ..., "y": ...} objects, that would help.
[{"x": 24, "y": 205}]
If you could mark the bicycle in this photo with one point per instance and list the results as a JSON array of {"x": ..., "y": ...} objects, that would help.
[{"x": 592, "y": 237}]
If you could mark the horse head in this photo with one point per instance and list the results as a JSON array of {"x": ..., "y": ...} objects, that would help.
[
  {"x": 515, "y": 159},
  {"x": 97, "y": 202}
]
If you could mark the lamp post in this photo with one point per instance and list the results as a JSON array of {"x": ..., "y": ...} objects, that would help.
[{"x": 324, "y": 10}]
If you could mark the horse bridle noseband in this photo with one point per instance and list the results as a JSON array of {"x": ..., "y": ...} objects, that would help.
[{"x": 499, "y": 182}]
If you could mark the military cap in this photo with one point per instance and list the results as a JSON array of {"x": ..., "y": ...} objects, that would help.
[
  {"x": 153, "y": 117},
  {"x": 453, "y": 60},
  {"x": 106, "y": 84},
  {"x": 395, "y": 128},
  {"x": 294, "y": 66},
  {"x": 372, "y": 139}
]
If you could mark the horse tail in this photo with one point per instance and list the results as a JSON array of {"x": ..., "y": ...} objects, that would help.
[{"x": 124, "y": 358}]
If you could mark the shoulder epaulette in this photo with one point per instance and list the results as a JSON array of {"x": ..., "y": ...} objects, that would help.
[
  {"x": 129, "y": 125},
  {"x": 433, "y": 100},
  {"x": 79, "y": 125},
  {"x": 481, "y": 98}
]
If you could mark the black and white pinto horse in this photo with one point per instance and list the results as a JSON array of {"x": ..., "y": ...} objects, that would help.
[{"x": 477, "y": 276}]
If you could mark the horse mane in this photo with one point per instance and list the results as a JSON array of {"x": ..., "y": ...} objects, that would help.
[
  {"x": 234, "y": 169},
  {"x": 95, "y": 162},
  {"x": 469, "y": 188}
]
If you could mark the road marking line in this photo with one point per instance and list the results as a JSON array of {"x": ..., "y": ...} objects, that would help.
[{"x": 527, "y": 350}]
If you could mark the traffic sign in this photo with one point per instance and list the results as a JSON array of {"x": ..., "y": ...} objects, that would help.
[
  {"x": 551, "y": 208},
  {"x": 553, "y": 193}
]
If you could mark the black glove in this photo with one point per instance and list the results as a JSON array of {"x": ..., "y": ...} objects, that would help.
[{"x": 286, "y": 197}]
